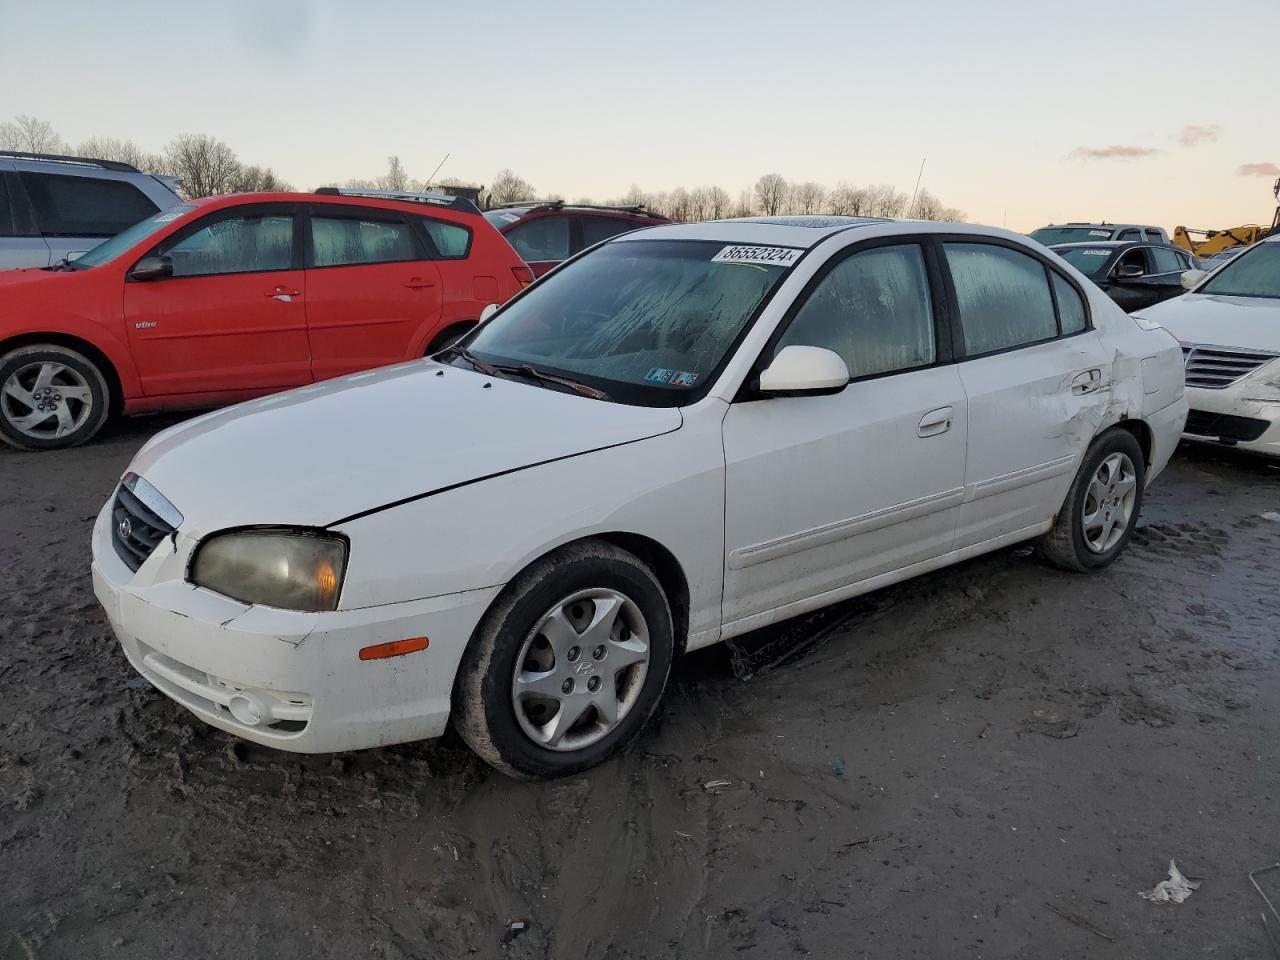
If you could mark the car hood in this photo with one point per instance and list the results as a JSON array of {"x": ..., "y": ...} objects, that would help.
[
  {"x": 325, "y": 452},
  {"x": 1252, "y": 323}
]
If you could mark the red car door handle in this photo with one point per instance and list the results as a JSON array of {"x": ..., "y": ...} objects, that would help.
[
  {"x": 284, "y": 295},
  {"x": 417, "y": 283}
]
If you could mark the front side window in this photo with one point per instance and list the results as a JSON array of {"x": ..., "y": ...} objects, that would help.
[
  {"x": 595, "y": 229},
  {"x": 873, "y": 309},
  {"x": 245, "y": 243},
  {"x": 540, "y": 239},
  {"x": 1254, "y": 273},
  {"x": 1128, "y": 262},
  {"x": 1003, "y": 297},
  {"x": 345, "y": 241},
  {"x": 67, "y": 206},
  {"x": 451, "y": 241},
  {"x": 647, "y": 321}
]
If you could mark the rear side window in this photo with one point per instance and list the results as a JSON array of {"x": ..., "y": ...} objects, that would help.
[
  {"x": 1130, "y": 235},
  {"x": 595, "y": 229},
  {"x": 451, "y": 241},
  {"x": 1003, "y": 297},
  {"x": 8, "y": 227},
  {"x": 84, "y": 206},
  {"x": 873, "y": 309},
  {"x": 247, "y": 243},
  {"x": 1155, "y": 235},
  {"x": 1166, "y": 260},
  {"x": 347, "y": 241},
  {"x": 542, "y": 238},
  {"x": 1070, "y": 305}
]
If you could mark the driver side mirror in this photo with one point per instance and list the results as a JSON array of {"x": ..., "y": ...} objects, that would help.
[
  {"x": 152, "y": 268},
  {"x": 1192, "y": 278},
  {"x": 486, "y": 313},
  {"x": 798, "y": 370},
  {"x": 1127, "y": 271}
]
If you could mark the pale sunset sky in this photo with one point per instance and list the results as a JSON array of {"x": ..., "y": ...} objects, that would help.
[{"x": 1028, "y": 112}]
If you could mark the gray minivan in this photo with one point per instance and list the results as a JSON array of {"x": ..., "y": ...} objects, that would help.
[{"x": 55, "y": 207}]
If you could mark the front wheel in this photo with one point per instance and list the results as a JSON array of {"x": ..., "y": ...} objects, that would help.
[
  {"x": 50, "y": 397},
  {"x": 568, "y": 665},
  {"x": 1101, "y": 509}
]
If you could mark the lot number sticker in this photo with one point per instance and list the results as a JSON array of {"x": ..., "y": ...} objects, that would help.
[
  {"x": 774, "y": 256},
  {"x": 1099, "y": 233},
  {"x": 1097, "y": 253}
]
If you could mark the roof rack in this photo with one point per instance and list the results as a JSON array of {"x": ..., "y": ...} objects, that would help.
[
  {"x": 638, "y": 208},
  {"x": 117, "y": 165},
  {"x": 461, "y": 204}
]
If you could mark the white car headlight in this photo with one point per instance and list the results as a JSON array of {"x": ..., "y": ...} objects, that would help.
[
  {"x": 294, "y": 569},
  {"x": 1144, "y": 323}
]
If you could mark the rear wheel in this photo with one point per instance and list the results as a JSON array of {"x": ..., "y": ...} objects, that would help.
[
  {"x": 568, "y": 664},
  {"x": 50, "y": 397},
  {"x": 1101, "y": 509},
  {"x": 448, "y": 337}
]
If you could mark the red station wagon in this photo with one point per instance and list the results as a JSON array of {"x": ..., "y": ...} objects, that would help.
[{"x": 227, "y": 298}]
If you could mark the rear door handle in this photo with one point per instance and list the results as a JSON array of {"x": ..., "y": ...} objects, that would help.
[
  {"x": 1086, "y": 382},
  {"x": 284, "y": 295},
  {"x": 417, "y": 283},
  {"x": 935, "y": 422}
]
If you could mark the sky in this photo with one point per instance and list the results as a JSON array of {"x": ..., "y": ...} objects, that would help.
[{"x": 1024, "y": 113}]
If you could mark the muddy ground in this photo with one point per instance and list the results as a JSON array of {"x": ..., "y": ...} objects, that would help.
[{"x": 966, "y": 753}]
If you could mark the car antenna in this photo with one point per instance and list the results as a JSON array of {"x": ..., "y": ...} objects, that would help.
[
  {"x": 912, "y": 205},
  {"x": 432, "y": 179}
]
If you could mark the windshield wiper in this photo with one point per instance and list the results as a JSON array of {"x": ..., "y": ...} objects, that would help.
[
  {"x": 526, "y": 370},
  {"x": 66, "y": 263},
  {"x": 471, "y": 358}
]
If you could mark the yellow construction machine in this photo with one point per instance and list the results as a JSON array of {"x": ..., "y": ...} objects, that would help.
[{"x": 1215, "y": 241}]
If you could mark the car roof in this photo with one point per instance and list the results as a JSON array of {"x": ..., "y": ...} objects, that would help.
[
  {"x": 801, "y": 232},
  {"x": 1115, "y": 245},
  {"x": 353, "y": 199}
]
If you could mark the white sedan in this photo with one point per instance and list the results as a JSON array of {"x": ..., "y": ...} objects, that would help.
[
  {"x": 1229, "y": 326},
  {"x": 683, "y": 434}
]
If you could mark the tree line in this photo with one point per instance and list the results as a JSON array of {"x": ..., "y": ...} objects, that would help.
[{"x": 208, "y": 166}]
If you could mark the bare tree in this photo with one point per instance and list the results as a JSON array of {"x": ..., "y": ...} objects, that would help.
[
  {"x": 30, "y": 134},
  {"x": 259, "y": 180},
  {"x": 884, "y": 201},
  {"x": 205, "y": 165},
  {"x": 718, "y": 203},
  {"x": 808, "y": 197},
  {"x": 929, "y": 207},
  {"x": 124, "y": 151},
  {"x": 771, "y": 193},
  {"x": 744, "y": 206},
  {"x": 678, "y": 205},
  {"x": 395, "y": 178},
  {"x": 846, "y": 200},
  {"x": 508, "y": 188}
]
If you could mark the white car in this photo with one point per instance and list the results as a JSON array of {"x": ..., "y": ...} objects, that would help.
[
  {"x": 1229, "y": 327},
  {"x": 680, "y": 435}
]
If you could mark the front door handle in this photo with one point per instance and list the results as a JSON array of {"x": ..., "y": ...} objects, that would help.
[
  {"x": 935, "y": 422},
  {"x": 417, "y": 283},
  {"x": 283, "y": 294},
  {"x": 1086, "y": 382}
]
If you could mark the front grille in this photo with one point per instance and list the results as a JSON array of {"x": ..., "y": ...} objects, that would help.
[
  {"x": 136, "y": 529},
  {"x": 1202, "y": 423},
  {"x": 1214, "y": 368}
]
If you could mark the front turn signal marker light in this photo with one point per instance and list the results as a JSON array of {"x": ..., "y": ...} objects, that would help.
[{"x": 396, "y": 648}]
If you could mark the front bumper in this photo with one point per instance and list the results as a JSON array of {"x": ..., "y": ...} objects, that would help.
[
  {"x": 282, "y": 678},
  {"x": 1240, "y": 401}
]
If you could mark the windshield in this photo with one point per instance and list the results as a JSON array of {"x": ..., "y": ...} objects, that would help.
[
  {"x": 1088, "y": 260},
  {"x": 1254, "y": 273},
  {"x": 110, "y": 249},
  {"x": 502, "y": 218},
  {"x": 647, "y": 321},
  {"x": 1051, "y": 235}
]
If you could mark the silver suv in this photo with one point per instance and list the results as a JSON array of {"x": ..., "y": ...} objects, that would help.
[{"x": 54, "y": 207}]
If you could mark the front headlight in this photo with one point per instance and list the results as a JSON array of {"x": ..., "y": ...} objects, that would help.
[{"x": 287, "y": 568}]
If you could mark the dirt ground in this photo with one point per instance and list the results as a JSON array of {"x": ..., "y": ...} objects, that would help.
[{"x": 967, "y": 753}]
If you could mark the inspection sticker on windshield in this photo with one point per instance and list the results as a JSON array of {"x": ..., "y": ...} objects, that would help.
[
  {"x": 660, "y": 375},
  {"x": 775, "y": 256}
]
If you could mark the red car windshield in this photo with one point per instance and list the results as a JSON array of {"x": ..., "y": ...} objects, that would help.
[{"x": 110, "y": 249}]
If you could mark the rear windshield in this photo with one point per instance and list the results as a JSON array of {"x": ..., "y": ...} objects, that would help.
[
  {"x": 1088, "y": 260},
  {"x": 121, "y": 242},
  {"x": 1051, "y": 235},
  {"x": 503, "y": 218},
  {"x": 1254, "y": 273},
  {"x": 647, "y": 321}
]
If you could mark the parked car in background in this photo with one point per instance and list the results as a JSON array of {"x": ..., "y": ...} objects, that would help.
[
  {"x": 1229, "y": 327},
  {"x": 632, "y": 458},
  {"x": 54, "y": 207},
  {"x": 1134, "y": 274},
  {"x": 1091, "y": 232},
  {"x": 1223, "y": 256},
  {"x": 548, "y": 232},
  {"x": 227, "y": 298}
]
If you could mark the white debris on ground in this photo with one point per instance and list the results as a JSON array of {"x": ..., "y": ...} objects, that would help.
[{"x": 1174, "y": 890}]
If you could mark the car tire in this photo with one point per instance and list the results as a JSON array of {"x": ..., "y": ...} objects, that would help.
[
  {"x": 64, "y": 385},
  {"x": 448, "y": 337},
  {"x": 607, "y": 648},
  {"x": 1102, "y": 507}
]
